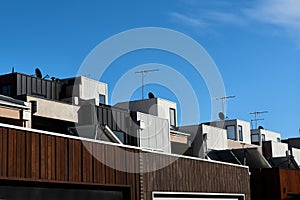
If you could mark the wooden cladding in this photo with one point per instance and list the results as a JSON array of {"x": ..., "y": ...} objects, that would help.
[
  {"x": 190, "y": 175},
  {"x": 39, "y": 157},
  {"x": 275, "y": 184},
  {"x": 34, "y": 156}
]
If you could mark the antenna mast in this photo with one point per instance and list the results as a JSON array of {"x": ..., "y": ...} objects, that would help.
[
  {"x": 256, "y": 113},
  {"x": 224, "y": 99},
  {"x": 143, "y": 73}
]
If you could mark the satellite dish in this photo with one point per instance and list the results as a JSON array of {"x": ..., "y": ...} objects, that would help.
[
  {"x": 151, "y": 95},
  {"x": 260, "y": 127},
  {"x": 38, "y": 73},
  {"x": 221, "y": 116}
]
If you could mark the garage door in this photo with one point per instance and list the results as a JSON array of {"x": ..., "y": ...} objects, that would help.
[
  {"x": 207, "y": 198},
  {"x": 38, "y": 193},
  {"x": 196, "y": 196}
]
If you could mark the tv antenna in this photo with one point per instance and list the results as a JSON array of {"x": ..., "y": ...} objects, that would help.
[
  {"x": 224, "y": 99},
  {"x": 144, "y": 73},
  {"x": 255, "y": 120}
]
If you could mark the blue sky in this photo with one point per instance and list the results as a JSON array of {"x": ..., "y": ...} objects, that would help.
[{"x": 255, "y": 44}]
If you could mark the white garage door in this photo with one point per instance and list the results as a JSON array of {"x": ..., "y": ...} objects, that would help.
[
  {"x": 206, "y": 198},
  {"x": 196, "y": 196}
]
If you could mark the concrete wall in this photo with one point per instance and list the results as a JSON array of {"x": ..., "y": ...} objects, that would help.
[
  {"x": 269, "y": 135},
  {"x": 278, "y": 149},
  {"x": 55, "y": 110},
  {"x": 156, "y": 106},
  {"x": 164, "y": 109},
  {"x": 148, "y": 106},
  {"x": 84, "y": 88},
  {"x": 154, "y": 132},
  {"x": 296, "y": 154},
  {"x": 216, "y": 137},
  {"x": 91, "y": 89},
  {"x": 245, "y": 126}
]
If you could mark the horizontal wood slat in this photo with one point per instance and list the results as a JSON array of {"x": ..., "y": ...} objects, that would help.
[{"x": 32, "y": 156}]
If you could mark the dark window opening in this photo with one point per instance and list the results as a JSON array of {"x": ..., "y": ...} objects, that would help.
[
  {"x": 172, "y": 117},
  {"x": 102, "y": 99},
  {"x": 254, "y": 138},
  {"x": 231, "y": 134},
  {"x": 240, "y": 129},
  {"x": 263, "y": 137},
  {"x": 121, "y": 135},
  {"x": 6, "y": 90}
]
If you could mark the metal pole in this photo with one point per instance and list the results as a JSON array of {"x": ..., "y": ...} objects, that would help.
[
  {"x": 143, "y": 84},
  {"x": 143, "y": 73}
]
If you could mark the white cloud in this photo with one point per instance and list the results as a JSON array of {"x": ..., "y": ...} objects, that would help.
[
  {"x": 282, "y": 13},
  {"x": 227, "y": 18},
  {"x": 184, "y": 19}
]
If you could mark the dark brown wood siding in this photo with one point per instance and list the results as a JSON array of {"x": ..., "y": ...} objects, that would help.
[
  {"x": 26, "y": 155},
  {"x": 35, "y": 156},
  {"x": 189, "y": 175},
  {"x": 275, "y": 184}
]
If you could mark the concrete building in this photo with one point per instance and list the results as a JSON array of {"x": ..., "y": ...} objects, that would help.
[
  {"x": 161, "y": 108},
  {"x": 294, "y": 147},
  {"x": 258, "y": 136},
  {"x": 54, "y": 102},
  {"x": 218, "y": 135},
  {"x": 273, "y": 149},
  {"x": 83, "y": 88},
  {"x": 132, "y": 128},
  {"x": 15, "y": 112},
  {"x": 204, "y": 138},
  {"x": 238, "y": 131}
]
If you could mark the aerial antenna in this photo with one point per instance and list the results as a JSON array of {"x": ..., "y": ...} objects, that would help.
[
  {"x": 255, "y": 120},
  {"x": 47, "y": 76},
  {"x": 143, "y": 73},
  {"x": 224, "y": 99}
]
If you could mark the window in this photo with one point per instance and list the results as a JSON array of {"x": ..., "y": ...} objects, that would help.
[
  {"x": 263, "y": 137},
  {"x": 240, "y": 129},
  {"x": 120, "y": 135},
  {"x": 102, "y": 99},
  {"x": 172, "y": 117},
  {"x": 254, "y": 138},
  {"x": 231, "y": 133},
  {"x": 6, "y": 90}
]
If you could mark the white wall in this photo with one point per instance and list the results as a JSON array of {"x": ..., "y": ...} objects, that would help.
[
  {"x": 55, "y": 110},
  {"x": 246, "y": 131},
  {"x": 235, "y": 122},
  {"x": 163, "y": 109},
  {"x": 154, "y": 132},
  {"x": 148, "y": 106},
  {"x": 279, "y": 149},
  {"x": 296, "y": 154},
  {"x": 91, "y": 89},
  {"x": 156, "y": 106},
  {"x": 216, "y": 137},
  {"x": 269, "y": 135}
]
